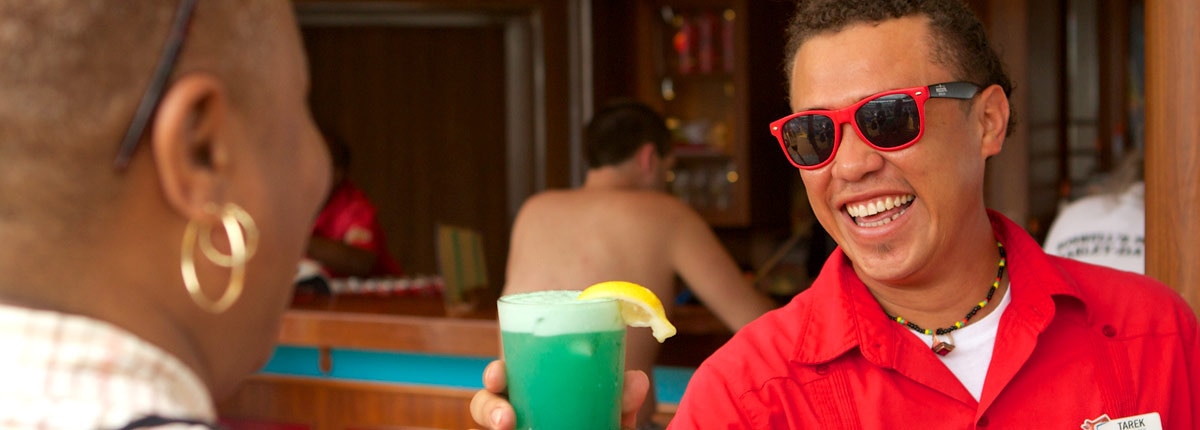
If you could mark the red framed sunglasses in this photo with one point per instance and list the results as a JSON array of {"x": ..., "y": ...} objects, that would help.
[{"x": 888, "y": 121}]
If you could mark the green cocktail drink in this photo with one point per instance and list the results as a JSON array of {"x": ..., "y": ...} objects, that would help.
[{"x": 565, "y": 360}]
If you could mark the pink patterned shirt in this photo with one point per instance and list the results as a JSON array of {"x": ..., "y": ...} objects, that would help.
[{"x": 62, "y": 371}]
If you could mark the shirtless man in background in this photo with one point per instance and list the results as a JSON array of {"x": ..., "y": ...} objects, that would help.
[{"x": 621, "y": 225}]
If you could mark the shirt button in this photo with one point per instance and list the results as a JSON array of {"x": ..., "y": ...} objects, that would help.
[
  {"x": 983, "y": 422},
  {"x": 822, "y": 369},
  {"x": 1108, "y": 331}
]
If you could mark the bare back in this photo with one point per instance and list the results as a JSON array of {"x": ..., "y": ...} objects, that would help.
[{"x": 572, "y": 239}]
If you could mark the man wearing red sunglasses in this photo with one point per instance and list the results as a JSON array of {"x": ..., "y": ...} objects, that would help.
[{"x": 934, "y": 312}]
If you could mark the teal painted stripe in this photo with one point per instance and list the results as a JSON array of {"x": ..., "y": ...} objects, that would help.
[
  {"x": 670, "y": 381},
  {"x": 424, "y": 369},
  {"x": 381, "y": 366},
  {"x": 421, "y": 369},
  {"x": 294, "y": 361}
]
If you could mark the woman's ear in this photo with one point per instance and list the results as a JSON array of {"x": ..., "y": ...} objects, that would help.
[
  {"x": 189, "y": 141},
  {"x": 993, "y": 119}
]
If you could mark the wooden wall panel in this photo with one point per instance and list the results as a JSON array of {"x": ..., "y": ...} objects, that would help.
[
  {"x": 423, "y": 111},
  {"x": 261, "y": 399},
  {"x": 614, "y": 48},
  {"x": 364, "y": 407},
  {"x": 1006, "y": 186},
  {"x": 1044, "y": 113},
  {"x": 457, "y": 110},
  {"x": 1173, "y": 145},
  {"x": 341, "y": 405}
]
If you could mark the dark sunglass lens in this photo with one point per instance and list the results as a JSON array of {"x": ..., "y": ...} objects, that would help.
[
  {"x": 889, "y": 121},
  {"x": 809, "y": 139}
]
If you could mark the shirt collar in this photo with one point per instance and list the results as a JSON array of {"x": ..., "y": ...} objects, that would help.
[{"x": 844, "y": 315}]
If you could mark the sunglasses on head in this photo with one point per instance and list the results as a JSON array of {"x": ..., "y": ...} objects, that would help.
[
  {"x": 158, "y": 83},
  {"x": 888, "y": 121}
]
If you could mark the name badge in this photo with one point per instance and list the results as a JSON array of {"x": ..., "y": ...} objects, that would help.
[{"x": 1150, "y": 421}]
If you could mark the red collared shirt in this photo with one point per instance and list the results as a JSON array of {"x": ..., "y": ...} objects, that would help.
[
  {"x": 350, "y": 217},
  {"x": 1076, "y": 342}
]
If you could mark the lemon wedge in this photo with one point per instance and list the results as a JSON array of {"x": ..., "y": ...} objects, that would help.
[{"x": 639, "y": 306}]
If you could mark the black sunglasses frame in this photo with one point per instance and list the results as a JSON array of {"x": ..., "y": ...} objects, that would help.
[
  {"x": 838, "y": 117},
  {"x": 158, "y": 82}
]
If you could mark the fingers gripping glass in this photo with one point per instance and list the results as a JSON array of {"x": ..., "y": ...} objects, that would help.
[
  {"x": 888, "y": 121},
  {"x": 158, "y": 82}
]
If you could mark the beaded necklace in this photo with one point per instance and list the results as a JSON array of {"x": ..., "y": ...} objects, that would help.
[{"x": 943, "y": 347}]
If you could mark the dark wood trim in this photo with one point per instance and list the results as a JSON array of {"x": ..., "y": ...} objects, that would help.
[
  {"x": 1064, "y": 106},
  {"x": 1112, "y": 136},
  {"x": 1006, "y": 184}
]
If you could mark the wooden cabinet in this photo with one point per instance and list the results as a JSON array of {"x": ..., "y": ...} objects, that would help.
[{"x": 712, "y": 68}]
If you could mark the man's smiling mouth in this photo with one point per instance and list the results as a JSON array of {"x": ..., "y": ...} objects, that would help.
[{"x": 879, "y": 211}]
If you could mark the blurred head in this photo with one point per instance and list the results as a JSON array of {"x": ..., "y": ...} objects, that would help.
[
  {"x": 339, "y": 155},
  {"x": 629, "y": 131},
  {"x": 232, "y": 127},
  {"x": 899, "y": 214}
]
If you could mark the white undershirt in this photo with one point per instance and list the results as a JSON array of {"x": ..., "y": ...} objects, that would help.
[{"x": 972, "y": 348}]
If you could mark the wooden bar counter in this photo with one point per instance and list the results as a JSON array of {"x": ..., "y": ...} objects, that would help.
[
  {"x": 405, "y": 323},
  {"x": 332, "y": 334},
  {"x": 400, "y": 362}
]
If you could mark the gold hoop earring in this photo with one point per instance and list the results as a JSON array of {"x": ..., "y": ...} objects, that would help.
[
  {"x": 247, "y": 225},
  {"x": 234, "y": 220}
]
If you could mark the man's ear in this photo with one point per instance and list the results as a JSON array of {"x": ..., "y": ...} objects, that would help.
[
  {"x": 189, "y": 145},
  {"x": 993, "y": 119},
  {"x": 647, "y": 158}
]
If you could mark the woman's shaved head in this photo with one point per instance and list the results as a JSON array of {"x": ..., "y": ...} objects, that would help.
[{"x": 72, "y": 73}]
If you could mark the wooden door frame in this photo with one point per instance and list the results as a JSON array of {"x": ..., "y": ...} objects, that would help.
[{"x": 1172, "y": 156}]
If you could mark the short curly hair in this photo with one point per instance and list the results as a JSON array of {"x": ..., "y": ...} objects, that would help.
[{"x": 959, "y": 40}]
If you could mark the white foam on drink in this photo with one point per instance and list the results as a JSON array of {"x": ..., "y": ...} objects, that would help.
[{"x": 551, "y": 313}]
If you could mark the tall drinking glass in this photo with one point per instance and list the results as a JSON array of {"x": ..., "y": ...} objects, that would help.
[{"x": 565, "y": 360}]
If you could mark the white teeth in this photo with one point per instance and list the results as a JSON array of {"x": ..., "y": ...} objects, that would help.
[
  {"x": 877, "y": 206},
  {"x": 882, "y": 221}
]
